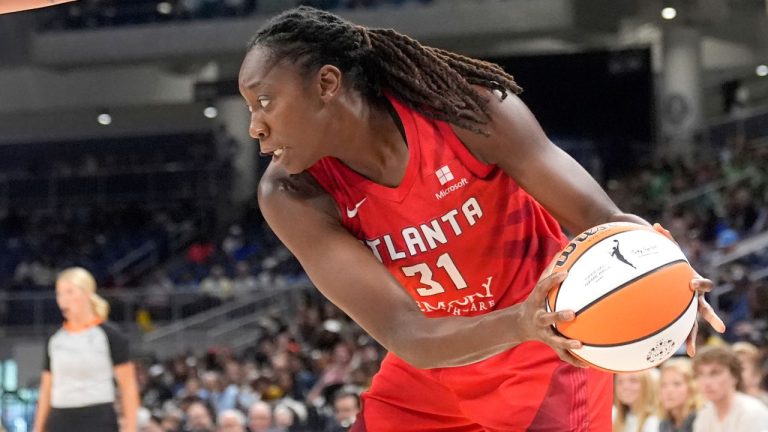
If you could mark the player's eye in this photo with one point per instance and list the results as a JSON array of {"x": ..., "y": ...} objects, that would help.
[{"x": 264, "y": 102}]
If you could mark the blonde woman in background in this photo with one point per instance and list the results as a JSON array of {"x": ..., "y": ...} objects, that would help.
[
  {"x": 634, "y": 402},
  {"x": 679, "y": 398},
  {"x": 83, "y": 358}
]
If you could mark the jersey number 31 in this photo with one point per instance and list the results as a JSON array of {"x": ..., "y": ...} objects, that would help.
[{"x": 444, "y": 262}]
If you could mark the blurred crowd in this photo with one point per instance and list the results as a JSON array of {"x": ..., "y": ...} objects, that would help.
[
  {"x": 721, "y": 389},
  {"x": 306, "y": 371},
  {"x": 710, "y": 206},
  {"x": 92, "y": 202},
  {"x": 242, "y": 260},
  {"x": 303, "y": 371},
  {"x": 40, "y": 243},
  {"x": 304, "y": 374},
  {"x": 87, "y": 14}
]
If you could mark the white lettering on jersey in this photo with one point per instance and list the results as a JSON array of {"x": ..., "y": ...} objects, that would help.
[
  {"x": 451, "y": 218},
  {"x": 428, "y": 236},
  {"x": 373, "y": 244},
  {"x": 412, "y": 238},
  {"x": 462, "y": 306},
  {"x": 444, "y": 192},
  {"x": 433, "y": 233},
  {"x": 393, "y": 253},
  {"x": 472, "y": 211}
]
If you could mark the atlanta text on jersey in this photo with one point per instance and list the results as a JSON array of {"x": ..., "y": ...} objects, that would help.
[{"x": 427, "y": 236}]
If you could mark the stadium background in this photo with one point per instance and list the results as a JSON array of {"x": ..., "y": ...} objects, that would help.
[{"x": 124, "y": 149}]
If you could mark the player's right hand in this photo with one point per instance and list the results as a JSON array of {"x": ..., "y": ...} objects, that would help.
[
  {"x": 701, "y": 286},
  {"x": 536, "y": 323}
]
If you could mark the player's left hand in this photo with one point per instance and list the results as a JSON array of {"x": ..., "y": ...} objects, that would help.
[{"x": 702, "y": 286}]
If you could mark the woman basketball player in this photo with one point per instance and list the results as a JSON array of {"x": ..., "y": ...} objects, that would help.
[{"x": 422, "y": 197}]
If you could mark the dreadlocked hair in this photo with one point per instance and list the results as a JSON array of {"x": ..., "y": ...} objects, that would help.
[{"x": 434, "y": 82}]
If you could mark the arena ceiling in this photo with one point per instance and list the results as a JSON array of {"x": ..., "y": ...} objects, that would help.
[{"x": 156, "y": 64}]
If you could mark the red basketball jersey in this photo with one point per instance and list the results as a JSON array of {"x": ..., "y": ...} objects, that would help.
[{"x": 459, "y": 235}]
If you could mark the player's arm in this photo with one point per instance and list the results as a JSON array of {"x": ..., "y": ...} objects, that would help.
[
  {"x": 43, "y": 402},
  {"x": 307, "y": 221},
  {"x": 7, "y": 6},
  {"x": 519, "y": 146}
]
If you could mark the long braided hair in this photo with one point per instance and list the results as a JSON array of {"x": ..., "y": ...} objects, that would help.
[{"x": 433, "y": 81}]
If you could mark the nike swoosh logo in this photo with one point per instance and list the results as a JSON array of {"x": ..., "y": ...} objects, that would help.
[{"x": 353, "y": 212}]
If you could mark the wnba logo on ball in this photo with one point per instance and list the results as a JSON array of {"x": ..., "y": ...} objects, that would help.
[{"x": 568, "y": 250}]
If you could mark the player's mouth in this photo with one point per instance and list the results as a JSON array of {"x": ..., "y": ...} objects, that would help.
[{"x": 276, "y": 153}]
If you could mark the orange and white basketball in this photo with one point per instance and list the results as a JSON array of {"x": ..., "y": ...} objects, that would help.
[{"x": 629, "y": 287}]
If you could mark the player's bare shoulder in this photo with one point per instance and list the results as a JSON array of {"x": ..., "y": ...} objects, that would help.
[
  {"x": 279, "y": 191},
  {"x": 513, "y": 133},
  {"x": 277, "y": 180}
]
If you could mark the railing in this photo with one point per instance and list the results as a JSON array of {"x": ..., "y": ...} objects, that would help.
[
  {"x": 138, "y": 260},
  {"x": 235, "y": 323},
  {"x": 756, "y": 275},
  {"x": 152, "y": 184},
  {"x": 711, "y": 187},
  {"x": 34, "y": 314},
  {"x": 746, "y": 247},
  {"x": 743, "y": 248},
  {"x": 751, "y": 124}
]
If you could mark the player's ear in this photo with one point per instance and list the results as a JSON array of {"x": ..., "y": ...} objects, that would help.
[{"x": 328, "y": 82}]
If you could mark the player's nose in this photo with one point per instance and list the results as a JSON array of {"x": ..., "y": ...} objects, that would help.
[{"x": 258, "y": 130}]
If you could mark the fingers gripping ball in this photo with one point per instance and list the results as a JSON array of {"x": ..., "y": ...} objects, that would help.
[{"x": 629, "y": 286}]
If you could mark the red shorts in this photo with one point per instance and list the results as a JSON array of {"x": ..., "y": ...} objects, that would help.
[{"x": 527, "y": 388}]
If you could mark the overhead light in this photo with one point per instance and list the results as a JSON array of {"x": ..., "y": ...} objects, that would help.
[
  {"x": 104, "y": 119},
  {"x": 210, "y": 112},
  {"x": 668, "y": 13},
  {"x": 164, "y": 8},
  {"x": 761, "y": 70}
]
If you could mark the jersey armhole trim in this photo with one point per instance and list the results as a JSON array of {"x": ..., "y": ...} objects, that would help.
[{"x": 475, "y": 166}]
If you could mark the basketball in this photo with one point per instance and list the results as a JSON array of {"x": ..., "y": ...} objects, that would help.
[
  {"x": 9, "y": 6},
  {"x": 629, "y": 287}
]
